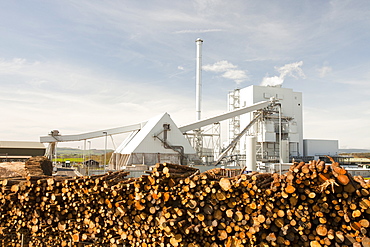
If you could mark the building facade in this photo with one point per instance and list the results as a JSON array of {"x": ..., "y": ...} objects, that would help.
[{"x": 283, "y": 125}]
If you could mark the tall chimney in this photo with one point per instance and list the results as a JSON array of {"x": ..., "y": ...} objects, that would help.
[{"x": 198, "y": 78}]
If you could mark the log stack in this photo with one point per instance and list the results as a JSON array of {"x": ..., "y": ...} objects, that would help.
[
  {"x": 313, "y": 204},
  {"x": 39, "y": 165}
]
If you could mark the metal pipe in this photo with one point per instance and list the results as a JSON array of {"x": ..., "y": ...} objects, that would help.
[
  {"x": 198, "y": 78},
  {"x": 166, "y": 145},
  {"x": 105, "y": 149},
  {"x": 83, "y": 152},
  {"x": 87, "y": 164},
  {"x": 280, "y": 146},
  {"x": 56, "y": 153}
]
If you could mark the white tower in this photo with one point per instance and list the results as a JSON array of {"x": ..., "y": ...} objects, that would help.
[{"x": 198, "y": 78}]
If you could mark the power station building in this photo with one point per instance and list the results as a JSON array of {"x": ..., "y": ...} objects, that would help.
[
  {"x": 265, "y": 127},
  {"x": 277, "y": 136}
]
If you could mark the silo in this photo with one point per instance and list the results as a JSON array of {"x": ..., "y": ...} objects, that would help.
[{"x": 250, "y": 147}]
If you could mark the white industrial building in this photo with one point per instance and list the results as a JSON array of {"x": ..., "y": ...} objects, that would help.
[
  {"x": 267, "y": 129},
  {"x": 158, "y": 141},
  {"x": 277, "y": 135}
]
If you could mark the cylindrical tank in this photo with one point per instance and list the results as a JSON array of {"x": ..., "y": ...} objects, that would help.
[{"x": 250, "y": 153}]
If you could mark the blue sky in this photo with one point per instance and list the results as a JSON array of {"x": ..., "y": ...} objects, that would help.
[{"x": 80, "y": 66}]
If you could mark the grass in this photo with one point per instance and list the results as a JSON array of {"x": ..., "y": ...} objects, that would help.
[
  {"x": 75, "y": 155},
  {"x": 77, "y": 160}
]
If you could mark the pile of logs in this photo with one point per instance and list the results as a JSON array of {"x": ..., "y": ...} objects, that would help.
[
  {"x": 313, "y": 204},
  {"x": 39, "y": 165}
]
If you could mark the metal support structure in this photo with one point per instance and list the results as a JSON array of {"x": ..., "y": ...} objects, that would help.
[
  {"x": 197, "y": 136},
  {"x": 56, "y": 154},
  {"x": 198, "y": 142},
  {"x": 90, "y": 135},
  {"x": 234, "y": 122},
  {"x": 216, "y": 139},
  {"x": 105, "y": 149},
  {"x": 233, "y": 143},
  {"x": 224, "y": 116},
  {"x": 54, "y": 137},
  {"x": 51, "y": 151},
  {"x": 280, "y": 147},
  {"x": 87, "y": 165},
  {"x": 83, "y": 152},
  {"x": 210, "y": 142}
]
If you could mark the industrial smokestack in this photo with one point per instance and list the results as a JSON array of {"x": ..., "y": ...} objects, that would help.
[{"x": 198, "y": 78}]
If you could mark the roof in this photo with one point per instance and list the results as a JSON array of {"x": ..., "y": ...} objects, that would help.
[
  {"x": 21, "y": 144},
  {"x": 144, "y": 141}
]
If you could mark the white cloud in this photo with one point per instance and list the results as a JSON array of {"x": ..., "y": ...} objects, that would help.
[
  {"x": 323, "y": 71},
  {"x": 220, "y": 66},
  {"x": 272, "y": 81},
  {"x": 292, "y": 70},
  {"x": 228, "y": 71},
  {"x": 8, "y": 67},
  {"x": 237, "y": 75}
]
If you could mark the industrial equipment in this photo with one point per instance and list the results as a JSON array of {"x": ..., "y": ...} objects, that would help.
[{"x": 157, "y": 140}]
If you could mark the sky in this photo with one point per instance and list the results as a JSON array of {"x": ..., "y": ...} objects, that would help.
[{"x": 81, "y": 66}]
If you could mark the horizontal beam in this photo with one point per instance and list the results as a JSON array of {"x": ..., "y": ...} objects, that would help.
[
  {"x": 91, "y": 135},
  {"x": 224, "y": 116}
]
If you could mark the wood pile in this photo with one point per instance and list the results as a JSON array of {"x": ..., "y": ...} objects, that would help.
[
  {"x": 313, "y": 204},
  {"x": 39, "y": 165},
  {"x": 34, "y": 166},
  {"x": 12, "y": 169}
]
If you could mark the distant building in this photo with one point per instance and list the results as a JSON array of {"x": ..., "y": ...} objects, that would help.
[
  {"x": 91, "y": 163},
  {"x": 317, "y": 147},
  {"x": 20, "y": 150}
]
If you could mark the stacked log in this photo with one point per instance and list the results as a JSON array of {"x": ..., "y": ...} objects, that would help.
[
  {"x": 313, "y": 204},
  {"x": 39, "y": 165}
]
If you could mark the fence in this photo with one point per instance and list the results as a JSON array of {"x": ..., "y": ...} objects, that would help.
[
  {"x": 230, "y": 171},
  {"x": 90, "y": 172}
]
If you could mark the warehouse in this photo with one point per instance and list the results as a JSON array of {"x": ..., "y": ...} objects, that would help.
[{"x": 20, "y": 150}]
